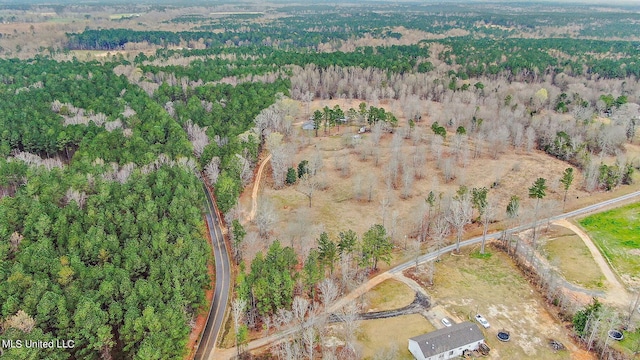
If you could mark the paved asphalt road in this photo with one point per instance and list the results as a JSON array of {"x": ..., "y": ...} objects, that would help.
[
  {"x": 207, "y": 344},
  {"x": 430, "y": 256}
]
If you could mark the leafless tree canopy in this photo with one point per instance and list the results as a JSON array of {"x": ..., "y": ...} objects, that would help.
[
  {"x": 20, "y": 321},
  {"x": 266, "y": 216}
]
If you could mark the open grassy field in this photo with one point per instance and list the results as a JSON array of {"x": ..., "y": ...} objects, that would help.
[
  {"x": 388, "y": 295},
  {"x": 617, "y": 234},
  {"x": 377, "y": 335},
  {"x": 570, "y": 256},
  {"x": 495, "y": 288}
]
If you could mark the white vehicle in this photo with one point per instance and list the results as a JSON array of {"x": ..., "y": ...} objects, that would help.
[
  {"x": 446, "y": 322},
  {"x": 482, "y": 321}
]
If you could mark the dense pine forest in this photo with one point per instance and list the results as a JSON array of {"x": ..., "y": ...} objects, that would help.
[{"x": 110, "y": 126}]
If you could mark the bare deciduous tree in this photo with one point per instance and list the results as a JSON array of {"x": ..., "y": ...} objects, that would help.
[
  {"x": 77, "y": 196},
  {"x": 384, "y": 205},
  {"x": 408, "y": 176},
  {"x": 238, "y": 307},
  {"x": 376, "y": 133},
  {"x": 197, "y": 136},
  {"x": 448, "y": 169},
  {"x": 21, "y": 321},
  {"x": 246, "y": 168},
  {"x": 299, "y": 308},
  {"x": 413, "y": 249},
  {"x": 283, "y": 317},
  {"x": 530, "y": 139},
  {"x": 439, "y": 230},
  {"x": 459, "y": 215},
  {"x": 14, "y": 241},
  {"x": 212, "y": 170},
  {"x": 489, "y": 214},
  {"x": 419, "y": 161},
  {"x": 343, "y": 164},
  {"x": 266, "y": 217},
  {"x": 370, "y": 181},
  {"x": 307, "y": 185},
  {"x": 631, "y": 309},
  {"x": 350, "y": 325},
  {"x": 309, "y": 339},
  {"x": 436, "y": 147},
  {"x": 267, "y": 321},
  {"x": 280, "y": 162},
  {"x": 328, "y": 292}
]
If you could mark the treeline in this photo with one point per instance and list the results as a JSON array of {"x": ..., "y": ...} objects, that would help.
[
  {"x": 115, "y": 39},
  {"x": 103, "y": 98},
  {"x": 349, "y": 21},
  {"x": 487, "y": 57},
  {"x": 223, "y": 112},
  {"x": 268, "y": 287},
  {"x": 397, "y": 59}
]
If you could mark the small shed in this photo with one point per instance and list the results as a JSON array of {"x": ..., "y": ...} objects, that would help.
[
  {"x": 448, "y": 343},
  {"x": 308, "y": 125}
]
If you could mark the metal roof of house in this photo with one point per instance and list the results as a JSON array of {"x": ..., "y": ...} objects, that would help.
[{"x": 449, "y": 338}]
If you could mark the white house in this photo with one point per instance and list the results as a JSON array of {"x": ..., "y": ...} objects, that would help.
[{"x": 447, "y": 343}]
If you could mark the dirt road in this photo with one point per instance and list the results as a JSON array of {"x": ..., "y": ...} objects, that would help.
[
  {"x": 256, "y": 187},
  {"x": 616, "y": 293}
]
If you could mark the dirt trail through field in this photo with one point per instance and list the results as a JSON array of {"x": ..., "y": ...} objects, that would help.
[
  {"x": 256, "y": 187},
  {"x": 359, "y": 291},
  {"x": 616, "y": 293}
]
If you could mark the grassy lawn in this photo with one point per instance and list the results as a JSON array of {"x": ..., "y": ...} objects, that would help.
[
  {"x": 567, "y": 252},
  {"x": 494, "y": 287},
  {"x": 617, "y": 234},
  {"x": 380, "y": 334},
  {"x": 629, "y": 344},
  {"x": 388, "y": 295}
]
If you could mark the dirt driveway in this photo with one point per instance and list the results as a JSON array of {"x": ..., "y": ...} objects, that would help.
[{"x": 616, "y": 294}]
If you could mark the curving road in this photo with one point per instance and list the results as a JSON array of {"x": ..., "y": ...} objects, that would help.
[
  {"x": 585, "y": 210},
  {"x": 209, "y": 338},
  {"x": 261, "y": 342}
]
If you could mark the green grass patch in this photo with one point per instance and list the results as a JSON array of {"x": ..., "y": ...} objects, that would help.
[
  {"x": 630, "y": 343},
  {"x": 617, "y": 234},
  {"x": 478, "y": 255},
  {"x": 573, "y": 260}
]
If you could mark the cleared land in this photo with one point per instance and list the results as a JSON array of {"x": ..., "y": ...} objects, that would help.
[
  {"x": 494, "y": 287},
  {"x": 344, "y": 203},
  {"x": 377, "y": 335},
  {"x": 389, "y": 295},
  {"x": 570, "y": 256},
  {"x": 617, "y": 234}
]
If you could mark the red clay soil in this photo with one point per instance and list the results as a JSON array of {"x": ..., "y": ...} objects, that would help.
[{"x": 201, "y": 320}]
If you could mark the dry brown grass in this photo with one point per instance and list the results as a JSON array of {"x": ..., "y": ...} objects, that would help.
[
  {"x": 378, "y": 335},
  {"x": 388, "y": 295},
  {"x": 566, "y": 251},
  {"x": 495, "y": 288}
]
